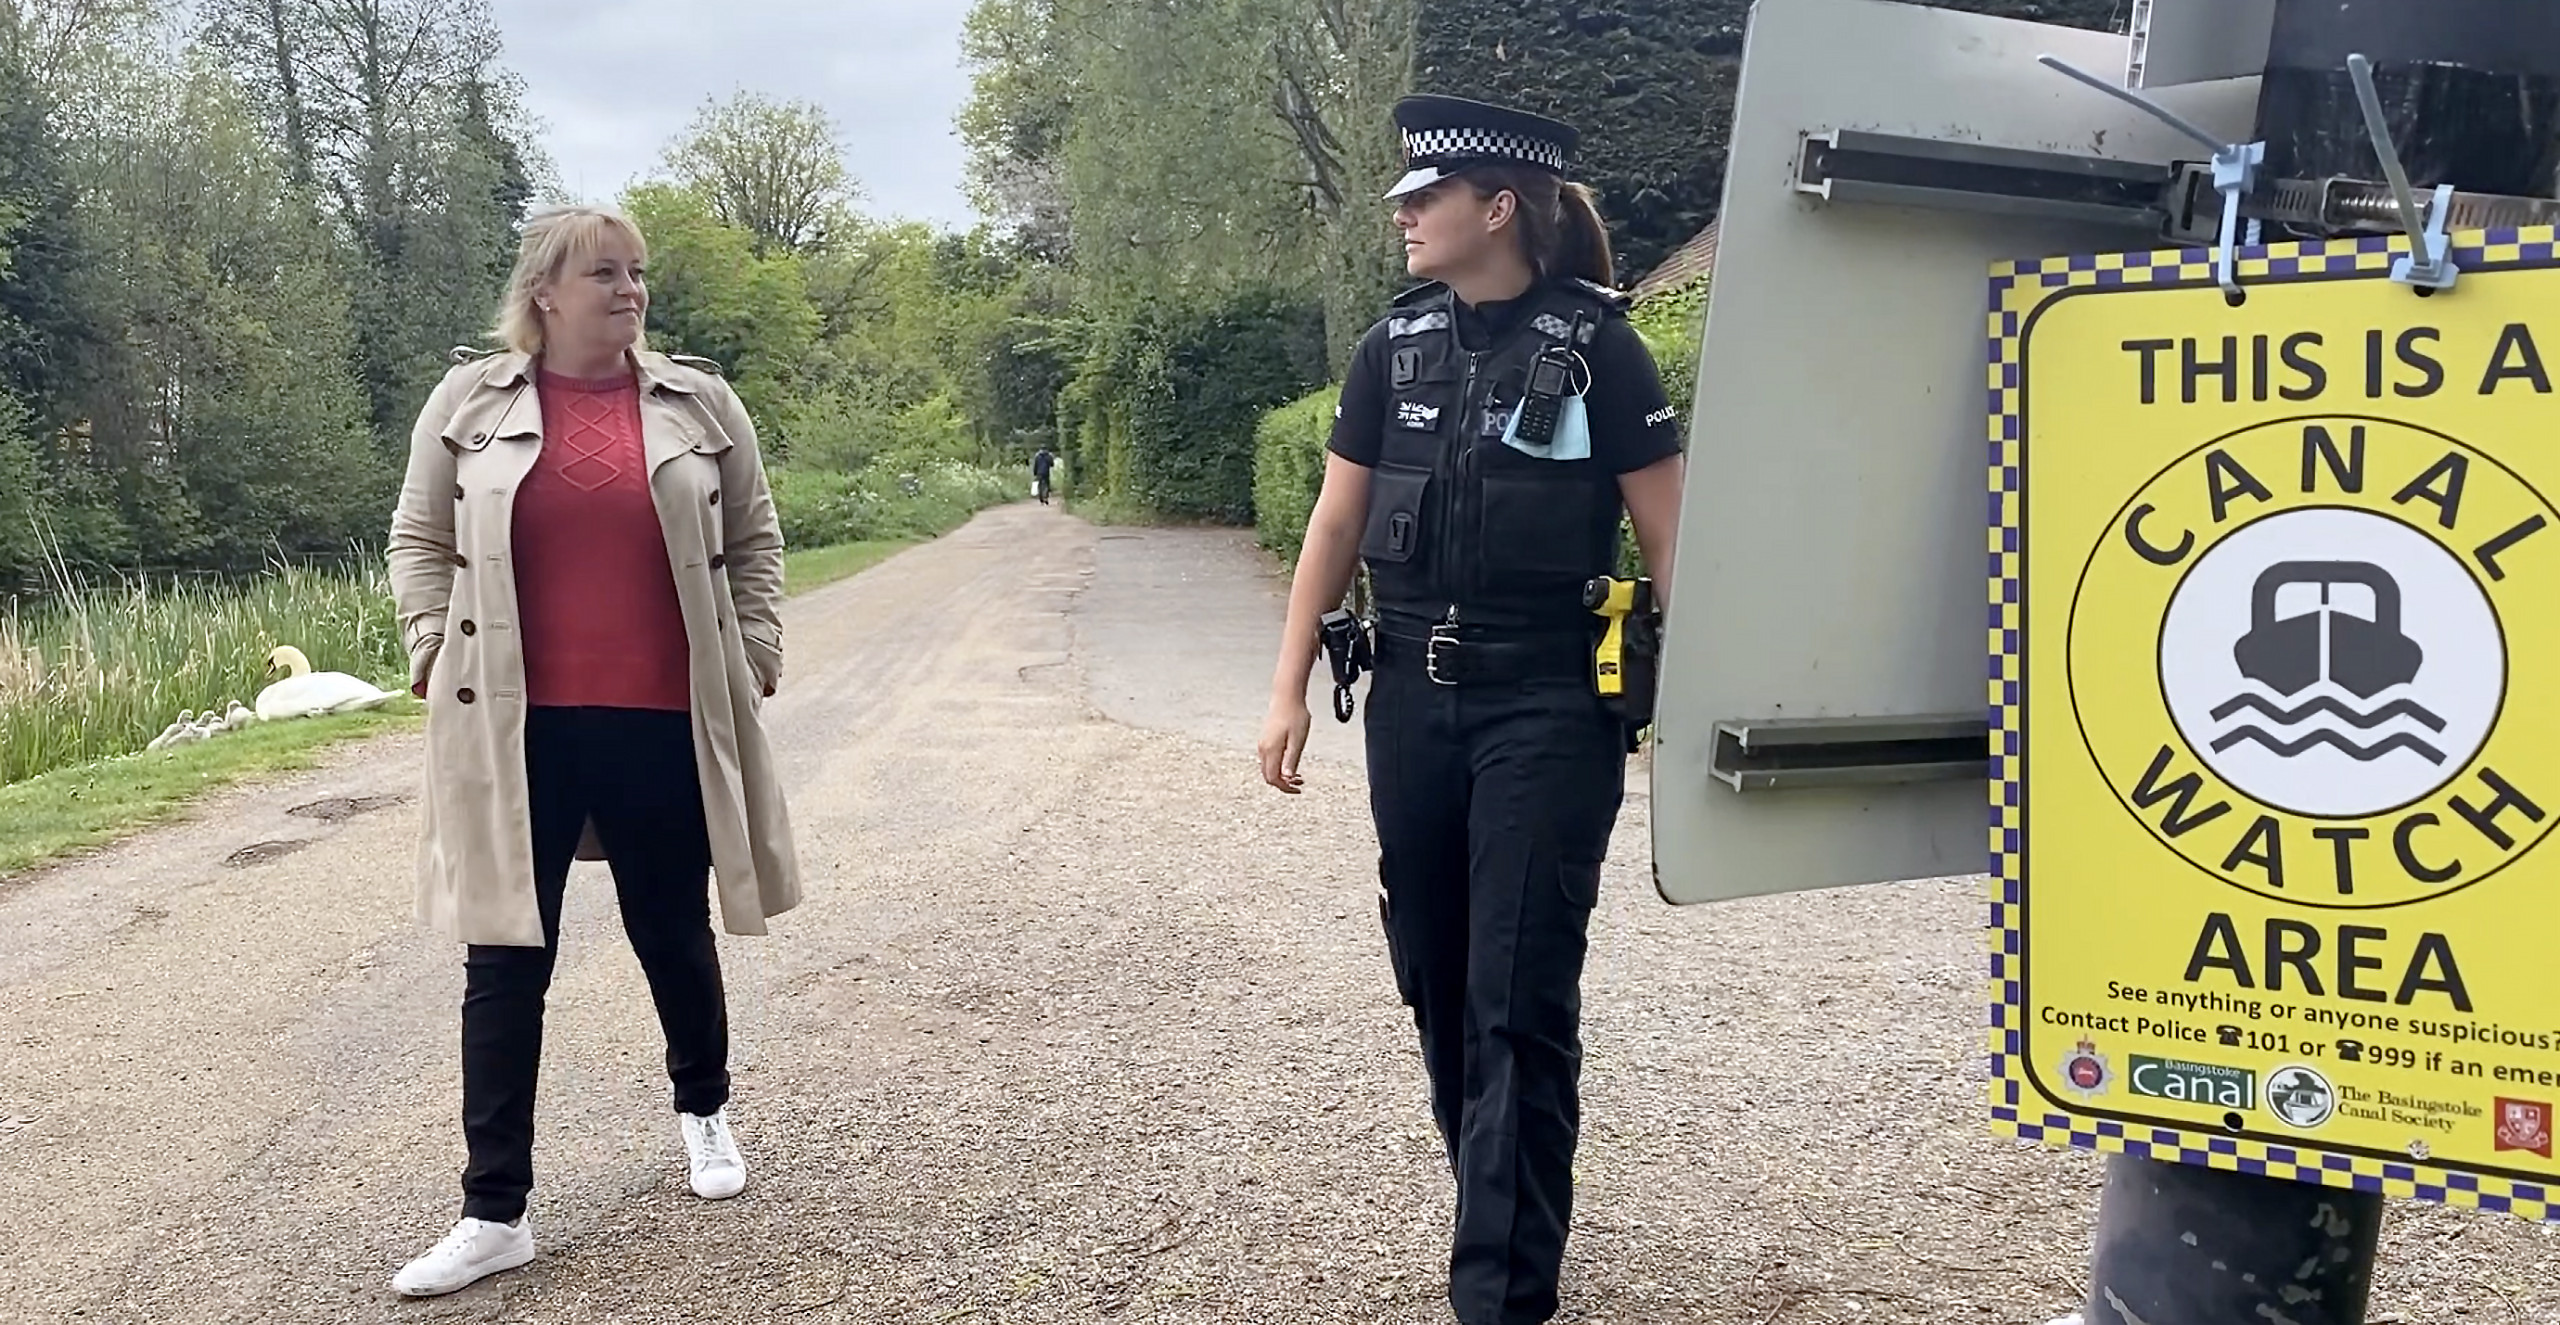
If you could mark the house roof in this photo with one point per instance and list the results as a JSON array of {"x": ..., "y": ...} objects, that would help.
[{"x": 1688, "y": 264}]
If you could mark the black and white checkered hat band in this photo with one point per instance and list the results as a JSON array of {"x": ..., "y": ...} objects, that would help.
[{"x": 1453, "y": 144}]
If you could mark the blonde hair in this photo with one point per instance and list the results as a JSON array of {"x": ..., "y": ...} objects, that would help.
[{"x": 553, "y": 238}]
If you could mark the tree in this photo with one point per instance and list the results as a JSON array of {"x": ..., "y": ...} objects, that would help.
[
  {"x": 57, "y": 42},
  {"x": 47, "y": 324},
  {"x": 223, "y": 411},
  {"x": 395, "y": 111},
  {"x": 42, "y": 323},
  {"x": 773, "y": 169},
  {"x": 712, "y": 294},
  {"x": 1015, "y": 122},
  {"x": 1180, "y": 183},
  {"x": 1340, "y": 70}
]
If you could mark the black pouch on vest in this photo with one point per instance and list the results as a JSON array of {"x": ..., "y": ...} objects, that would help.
[
  {"x": 1534, "y": 518},
  {"x": 1394, "y": 531}
]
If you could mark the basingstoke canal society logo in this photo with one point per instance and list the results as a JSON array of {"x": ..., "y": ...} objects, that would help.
[
  {"x": 2296, "y": 656},
  {"x": 2300, "y": 1097}
]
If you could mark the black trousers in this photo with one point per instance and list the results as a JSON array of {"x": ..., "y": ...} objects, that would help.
[
  {"x": 633, "y": 771},
  {"x": 1494, "y": 806}
]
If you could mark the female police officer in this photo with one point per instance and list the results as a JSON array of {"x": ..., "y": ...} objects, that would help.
[{"x": 1495, "y": 770}]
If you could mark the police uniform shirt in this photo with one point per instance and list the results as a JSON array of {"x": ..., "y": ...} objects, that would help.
[{"x": 1632, "y": 423}]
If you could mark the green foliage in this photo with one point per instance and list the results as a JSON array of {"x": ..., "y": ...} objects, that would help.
[
  {"x": 1174, "y": 177},
  {"x": 420, "y": 158},
  {"x": 1015, "y": 122},
  {"x": 821, "y": 507},
  {"x": 1199, "y": 384},
  {"x": 25, "y": 501},
  {"x": 226, "y": 418},
  {"x": 1023, "y": 370},
  {"x": 711, "y": 294},
  {"x": 1368, "y": 53},
  {"x": 44, "y": 327},
  {"x": 1183, "y": 155},
  {"x": 1648, "y": 82},
  {"x": 1197, "y": 156},
  {"x": 1672, "y": 327},
  {"x": 100, "y": 672},
  {"x": 1288, "y": 469},
  {"x": 773, "y": 169}
]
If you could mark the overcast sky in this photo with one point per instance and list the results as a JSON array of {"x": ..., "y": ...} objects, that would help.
[{"x": 611, "y": 84}]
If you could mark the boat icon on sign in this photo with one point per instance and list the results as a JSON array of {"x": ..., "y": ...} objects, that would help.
[{"x": 2332, "y": 627}]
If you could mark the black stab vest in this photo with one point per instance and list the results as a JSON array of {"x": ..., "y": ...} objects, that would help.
[{"x": 1458, "y": 520}]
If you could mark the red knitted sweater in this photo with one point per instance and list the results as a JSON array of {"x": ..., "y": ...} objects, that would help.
[{"x": 596, "y": 593}]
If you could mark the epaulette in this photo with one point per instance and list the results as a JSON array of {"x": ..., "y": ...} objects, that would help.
[
  {"x": 698, "y": 364},
  {"x": 462, "y": 354},
  {"x": 1614, "y": 298},
  {"x": 1418, "y": 293}
]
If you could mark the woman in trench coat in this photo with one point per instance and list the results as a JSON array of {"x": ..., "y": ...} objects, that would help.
[{"x": 588, "y": 573}]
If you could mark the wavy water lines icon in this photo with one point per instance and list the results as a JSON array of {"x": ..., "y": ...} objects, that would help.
[{"x": 2332, "y": 627}]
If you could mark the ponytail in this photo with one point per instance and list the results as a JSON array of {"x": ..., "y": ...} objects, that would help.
[
  {"x": 1582, "y": 240},
  {"x": 1559, "y": 224}
]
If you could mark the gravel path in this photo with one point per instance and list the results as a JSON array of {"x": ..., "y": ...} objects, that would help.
[{"x": 1080, "y": 1024}]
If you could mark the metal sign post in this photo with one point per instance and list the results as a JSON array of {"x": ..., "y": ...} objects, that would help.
[
  {"x": 2210, "y": 843},
  {"x": 2271, "y": 534}
]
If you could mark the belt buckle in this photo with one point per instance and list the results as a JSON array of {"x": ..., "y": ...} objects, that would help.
[{"x": 1431, "y": 655}]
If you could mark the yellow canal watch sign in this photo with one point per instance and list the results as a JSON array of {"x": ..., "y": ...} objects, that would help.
[{"x": 2275, "y": 635}]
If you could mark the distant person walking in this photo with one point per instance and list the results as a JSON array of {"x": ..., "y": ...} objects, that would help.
[
  {"x": 1042, "y": 461},
  {"x": 588, "y": 573}
]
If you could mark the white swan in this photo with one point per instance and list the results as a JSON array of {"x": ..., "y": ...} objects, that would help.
[{"x": 308, "y": 694}]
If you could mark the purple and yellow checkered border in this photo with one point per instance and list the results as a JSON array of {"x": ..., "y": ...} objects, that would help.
[{"x": 2018, "y": 289}]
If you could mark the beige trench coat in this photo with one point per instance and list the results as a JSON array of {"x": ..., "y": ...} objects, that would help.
[{"x": 454, "y": 586}]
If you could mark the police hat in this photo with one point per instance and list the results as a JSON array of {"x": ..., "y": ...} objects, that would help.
[{"x": 1444, "y": 135}]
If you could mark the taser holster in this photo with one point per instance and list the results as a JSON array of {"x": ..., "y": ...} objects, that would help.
[{"x": 1626, "y": 662}]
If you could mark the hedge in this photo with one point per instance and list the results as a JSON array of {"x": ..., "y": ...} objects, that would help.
[
  {"x": 1671, "y": 327},
  {"x": 1288, "y": 469},
  {"x": 1164, "y": 409}
]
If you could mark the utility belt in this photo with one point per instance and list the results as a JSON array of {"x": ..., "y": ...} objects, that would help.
[
  {"x": 1448, "y": 657},
  {"x": 1618, "y": 658}
]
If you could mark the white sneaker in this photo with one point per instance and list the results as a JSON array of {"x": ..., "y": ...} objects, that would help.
[
  {"x": 711, "y": 1153},
  {"x": 474, "y": 1250}
]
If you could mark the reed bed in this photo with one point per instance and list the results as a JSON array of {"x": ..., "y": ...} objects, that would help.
[{"x": 92, "y": 671}]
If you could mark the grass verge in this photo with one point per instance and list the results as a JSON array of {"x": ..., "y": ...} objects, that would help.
[
  {"x": 46, "y": 818},
  {"x": 56, "y": 815},
  {"x": 820, "y": 566}
]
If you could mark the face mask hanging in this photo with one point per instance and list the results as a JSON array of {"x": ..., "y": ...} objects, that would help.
[{"x": 1572, "y": 440}]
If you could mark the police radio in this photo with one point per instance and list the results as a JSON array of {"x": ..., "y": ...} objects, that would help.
[{"x": 1550, "y": 381}]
